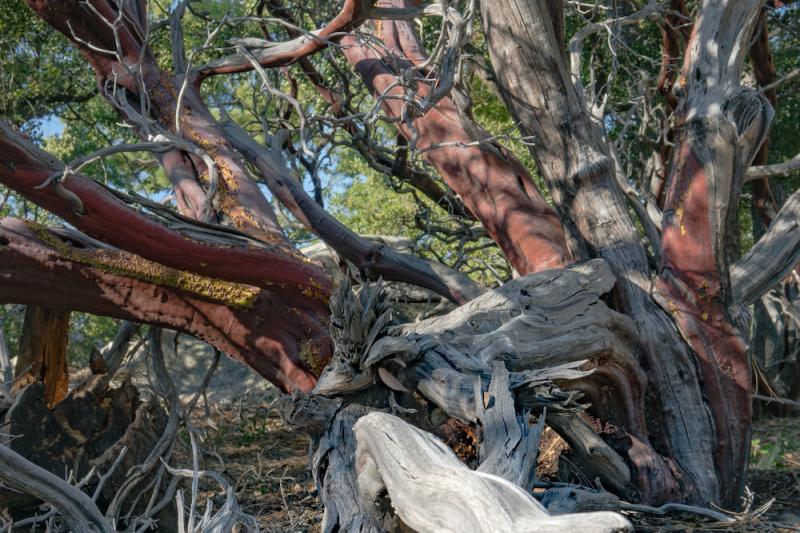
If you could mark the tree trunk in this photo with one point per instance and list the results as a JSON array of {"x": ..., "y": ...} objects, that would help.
[
  {"x": 573, "y": 156},
  {"x": 587, "y": 317}
]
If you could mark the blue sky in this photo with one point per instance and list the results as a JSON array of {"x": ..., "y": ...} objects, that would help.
[{"x": 51, "y": 125}]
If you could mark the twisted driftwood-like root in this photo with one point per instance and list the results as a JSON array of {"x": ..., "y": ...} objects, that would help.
[{"x": 540, "y": 344}]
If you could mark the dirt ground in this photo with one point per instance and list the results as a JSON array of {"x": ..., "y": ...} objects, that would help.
[{"x": 267, "y": 462}]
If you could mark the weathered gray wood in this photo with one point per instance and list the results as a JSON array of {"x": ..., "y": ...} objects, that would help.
[
  {"x": 509, "y": 446},
  {"x": 79, "y": 511},
  {"x": 547, "y": 326},
  {"x": 432, "y": 491},
  {"x": 772, "y": 257},
  {"x": 566, "y": 500},
  {"x": 573, "y": 157},
  {"x": 596, "y": 458},
  {"x": 334, "y": 468},
  {"x": 116, "y": 352}
]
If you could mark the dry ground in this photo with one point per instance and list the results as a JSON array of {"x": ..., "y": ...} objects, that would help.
[{"x": 267, "y": 462}]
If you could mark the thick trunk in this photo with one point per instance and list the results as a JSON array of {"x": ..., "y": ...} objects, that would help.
[
  {"x": 572, "y": 155},
  {"x": 723, "y": 128},
  {"x": 264, "y": 330}
]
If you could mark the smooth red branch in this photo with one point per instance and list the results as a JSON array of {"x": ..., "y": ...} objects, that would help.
[
  {"x": 126, "y": 69},
  {"x": 493, "y": 185},
  {"x": 272, "y": 333},
  {"x": 274, "y": 266},
  {"x": 272, "y": 55}
]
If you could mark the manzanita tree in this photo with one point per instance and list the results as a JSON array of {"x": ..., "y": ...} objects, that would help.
[{"x": 631, "y": 290}]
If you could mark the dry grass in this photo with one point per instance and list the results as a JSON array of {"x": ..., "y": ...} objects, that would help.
[{"x": 267, "y": 463}]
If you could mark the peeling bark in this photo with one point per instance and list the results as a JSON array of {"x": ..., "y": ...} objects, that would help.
[
  {"x": 493, "y": 185},
  {"x": 271, "y": 333},
  {"x": 42, "y": 353},
  {"x": 572, "y": 155},
  {"x": 724, "y": 126}
]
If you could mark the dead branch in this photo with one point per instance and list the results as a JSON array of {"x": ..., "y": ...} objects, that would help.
[{"x": 78, "y": 509}]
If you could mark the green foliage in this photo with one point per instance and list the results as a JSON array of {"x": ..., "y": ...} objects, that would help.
[
  {"x": 38, "y": 73},
  {"x": 775, "y": 445}
]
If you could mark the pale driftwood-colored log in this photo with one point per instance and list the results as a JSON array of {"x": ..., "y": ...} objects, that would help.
[
  {"x": 432, "y": 491},
  {"x": 78, "y": 509},
  {"x": 772, "y": 257},
  {"x": 457, "y": 363}
]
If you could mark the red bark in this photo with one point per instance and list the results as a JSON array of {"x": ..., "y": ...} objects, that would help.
[
  {"x": 352, "y": 14},
  {"x": 691, "y": 289},
  {"x": 672, "y": 29},
  {"x": 272, "y": 333},
  {"x": 493, "y": 185},
  {"x": 276, "y": 266},
  {"x": 723, "y": 126},
  {"x": 42, "y": 355},
  {"x": 88, "y": 26},
  {"x": 764, "y": 70}
]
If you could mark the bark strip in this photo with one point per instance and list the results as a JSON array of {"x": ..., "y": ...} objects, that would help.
[
  {"x": 724, "y": 125},
  {"x": 42, "y": 353}
]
